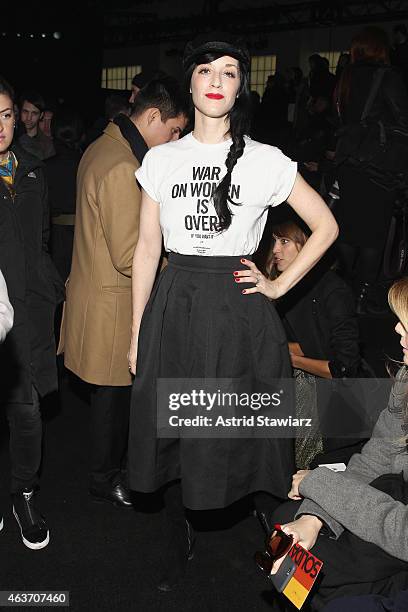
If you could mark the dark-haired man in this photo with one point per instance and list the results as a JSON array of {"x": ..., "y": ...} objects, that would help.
[
  {"x": 97, "y": 323},
  {"x": 34, "y": 141},
  {"x": 138, "y": 81}
]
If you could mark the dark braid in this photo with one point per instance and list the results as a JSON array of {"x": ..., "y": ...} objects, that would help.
[
  {"x": 221, "y": 194},
  {"x": 239, "y": 118}
]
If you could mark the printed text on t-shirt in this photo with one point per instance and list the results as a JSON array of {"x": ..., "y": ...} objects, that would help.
[{"x": 204, "y": 182}]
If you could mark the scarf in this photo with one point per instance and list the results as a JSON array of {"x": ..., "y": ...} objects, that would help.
[
  {"x": 130, "y": 132},
  {"x": 8, "y": 169}
]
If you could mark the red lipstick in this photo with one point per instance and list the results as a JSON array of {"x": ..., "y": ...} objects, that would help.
[{"x": 214, "y": 96}]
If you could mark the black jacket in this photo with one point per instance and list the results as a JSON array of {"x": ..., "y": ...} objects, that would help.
[
  {"x": 28, "y": 354},
  {"x": 390, "y": 104},
  {"x": 61, "y": 171},
  {"x": 319, "y": 314}
]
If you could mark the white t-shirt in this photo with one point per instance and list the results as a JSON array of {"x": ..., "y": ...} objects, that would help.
[{"x": 182, "y": 176}]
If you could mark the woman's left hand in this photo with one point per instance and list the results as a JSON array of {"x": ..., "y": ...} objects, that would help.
[
  {"x": 270, "y": 288},
  {"x": 296, "y": 480}
]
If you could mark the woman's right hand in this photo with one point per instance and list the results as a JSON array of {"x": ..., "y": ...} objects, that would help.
[
  {"x": 304, "y": 531},
  {"x": 132, "y": 355}
]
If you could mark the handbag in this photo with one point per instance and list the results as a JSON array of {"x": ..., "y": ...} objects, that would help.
[{"x": 380, "y": 151}]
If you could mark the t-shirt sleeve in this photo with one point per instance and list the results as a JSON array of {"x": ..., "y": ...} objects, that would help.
[
  {"x": 282, "y": 175},
  {"x": 147, "y": 175}
]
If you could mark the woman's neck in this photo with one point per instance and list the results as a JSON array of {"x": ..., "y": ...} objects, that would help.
[{"x": 210, "y": 130}]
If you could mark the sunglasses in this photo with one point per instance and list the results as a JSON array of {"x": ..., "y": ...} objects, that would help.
[{"x": 277, "y": 545}]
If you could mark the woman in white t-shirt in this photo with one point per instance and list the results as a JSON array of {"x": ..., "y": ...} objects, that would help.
[{"x": 207, "y": 195}]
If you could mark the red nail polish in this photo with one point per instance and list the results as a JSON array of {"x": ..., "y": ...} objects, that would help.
[
  {"x": 242, "y": 260},
  {"x": 243, "y": 291},
  {"x": 237, "y": 280},
  {"x": 235, "y": 273},
  {"x": 277, "y": 526}
]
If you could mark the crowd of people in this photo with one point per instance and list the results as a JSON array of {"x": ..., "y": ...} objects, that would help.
[{"x": 166, "y": 278}]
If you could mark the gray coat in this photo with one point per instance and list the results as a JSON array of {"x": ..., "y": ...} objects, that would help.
[{"x": 344, "y": 500}]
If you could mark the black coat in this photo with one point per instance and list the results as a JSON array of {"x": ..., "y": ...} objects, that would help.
[
  {"x": 28, "y": 354},
  {"x": 319, "y": 314},
  {"x": 61, "y": 171},
  {"x": 363, "y": 204},
  {"x": 390, "y": 104}
]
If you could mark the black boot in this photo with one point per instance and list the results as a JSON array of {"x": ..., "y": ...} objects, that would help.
[
  {"x": 34, "y": 531},
  {"x": 178, "y": 538},
  {"x": 178, "y": 552}
]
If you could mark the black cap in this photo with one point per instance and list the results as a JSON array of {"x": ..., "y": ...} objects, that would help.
[{"x": 223, "y": 43}]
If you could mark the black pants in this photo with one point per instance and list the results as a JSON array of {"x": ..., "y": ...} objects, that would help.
[
  {"x": 359, "y": 264},
  {"x": 351, "y": 566},
  {"x": 109, "y": 433},
  {"x": 25, "y": 443}
]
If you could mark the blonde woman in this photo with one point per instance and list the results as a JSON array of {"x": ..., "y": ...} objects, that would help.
[{"x": 363, "y": 509}]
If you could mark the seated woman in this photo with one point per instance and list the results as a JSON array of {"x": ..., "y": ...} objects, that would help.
[
  {"x": 363, "y": 509},
  {"x": 321, "y": 325}
]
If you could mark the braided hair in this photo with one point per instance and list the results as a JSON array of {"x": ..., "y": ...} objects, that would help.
[{"x": 239, "y": 119}]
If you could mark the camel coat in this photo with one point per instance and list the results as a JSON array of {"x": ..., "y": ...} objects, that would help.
[{"x": 95, "y": 334}]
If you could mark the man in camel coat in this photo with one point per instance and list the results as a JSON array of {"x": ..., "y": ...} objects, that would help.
[{"x": 95, "y": 334}]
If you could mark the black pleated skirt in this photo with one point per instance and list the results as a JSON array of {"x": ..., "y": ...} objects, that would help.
[{"x": 198, "y": 324}]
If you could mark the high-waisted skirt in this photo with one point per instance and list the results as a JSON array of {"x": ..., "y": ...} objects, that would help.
[{"x": 198, "y": 324}]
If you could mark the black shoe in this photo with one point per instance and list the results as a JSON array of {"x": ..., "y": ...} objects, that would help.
[
  {"x": 176, "y": 560},
  {"x": 34, "y": 530},
  {"x": 117, "y": 495}
]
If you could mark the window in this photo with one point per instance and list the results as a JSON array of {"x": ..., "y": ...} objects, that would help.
[
  {"x": 261, "y": 67},
  {"x": 119, "y": 77},
  {"x": 333, "y": 57}
]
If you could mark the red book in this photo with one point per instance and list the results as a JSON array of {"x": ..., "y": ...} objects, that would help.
[{"x": 308, "y": 567}]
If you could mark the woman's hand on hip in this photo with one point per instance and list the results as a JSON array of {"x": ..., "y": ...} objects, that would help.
[{"x": 269, "y": 288}]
